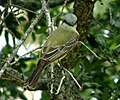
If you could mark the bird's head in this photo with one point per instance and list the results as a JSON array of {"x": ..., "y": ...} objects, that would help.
[{"x": 70, "y": 19}]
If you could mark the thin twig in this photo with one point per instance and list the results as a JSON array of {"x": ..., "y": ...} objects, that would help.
[
  {"x": 72, "y": 77},
  {"x": 48, "y": 18},
  {"x": 52, "y": 76},
  {"x": 65, "y": 2},
  {"x": 20, "y": 7},
  {"x": 89, "y": 50},
  {"x": 55, "y": 18},
  {"x": 25, "y": 55},
  {"x": 9, "y": 59},
  {"x": 61, "y": 82}
]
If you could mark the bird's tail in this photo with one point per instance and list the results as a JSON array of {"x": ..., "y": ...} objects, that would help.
[{"x": 31, "y": 82}]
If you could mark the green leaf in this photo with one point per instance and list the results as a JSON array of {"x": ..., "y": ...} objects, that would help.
[
  {"x": 106, "y": 94},
  {"x": 76, "y": 66},
  {"x": 7, "y": 49},
  {"x": 45, "y": 95}
]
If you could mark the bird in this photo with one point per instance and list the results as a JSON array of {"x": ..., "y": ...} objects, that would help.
[{"x": 57, "y": 45}]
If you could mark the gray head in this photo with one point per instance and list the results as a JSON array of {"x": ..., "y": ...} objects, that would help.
[{"x": 70, "y": 19}]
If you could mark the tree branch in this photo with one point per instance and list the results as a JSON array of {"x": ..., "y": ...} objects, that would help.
[
  {"x": 25, "y": 55},
  {"x": 18, "y": 78},
  {"x": 9, "y": 59}
]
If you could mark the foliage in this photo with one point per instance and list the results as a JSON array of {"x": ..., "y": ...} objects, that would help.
[{"x": 98, "y": 77}]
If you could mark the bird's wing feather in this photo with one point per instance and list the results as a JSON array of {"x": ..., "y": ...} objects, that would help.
[{"x": 51, "y": 53}]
